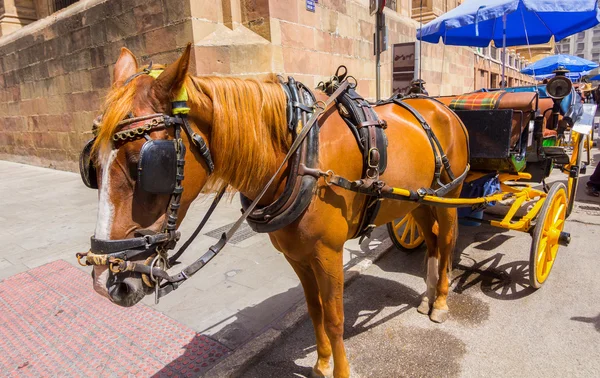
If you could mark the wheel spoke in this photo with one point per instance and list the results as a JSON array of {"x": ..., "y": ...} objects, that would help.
[
  {"x": 402, "y": 221},
  {"x": 404, "y": 233},
  {"x": 542, "y": 250},
  {"x": 413, "y": 231}
]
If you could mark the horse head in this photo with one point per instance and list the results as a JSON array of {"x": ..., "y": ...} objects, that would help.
[{"x": 139, "y": 165}]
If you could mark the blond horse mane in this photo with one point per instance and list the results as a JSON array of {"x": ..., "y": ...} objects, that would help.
[
  {"x": 248, "y": 133},
  {"x": 249, "y": 130}
]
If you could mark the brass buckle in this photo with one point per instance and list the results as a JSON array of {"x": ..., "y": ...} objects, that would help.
[{"x": 369, "y": 158}]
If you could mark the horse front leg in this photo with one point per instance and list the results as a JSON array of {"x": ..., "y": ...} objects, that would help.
[
  {"x": 327, "y": 266},
  {"x": 315, "y": 309}
]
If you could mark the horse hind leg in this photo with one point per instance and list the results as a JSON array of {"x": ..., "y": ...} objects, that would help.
[
  {"x": 448, "y": 233},
  {"x": 424, "y": 217}
]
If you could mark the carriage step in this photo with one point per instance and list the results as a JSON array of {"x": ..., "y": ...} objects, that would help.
[
  {"x": 557, "y": 154},
  {"x": 564, "y": 239}
]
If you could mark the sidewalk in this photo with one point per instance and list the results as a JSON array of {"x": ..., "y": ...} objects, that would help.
[{"x": 48, "y": 215}]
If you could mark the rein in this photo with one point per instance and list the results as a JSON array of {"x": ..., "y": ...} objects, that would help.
[{"x": 116, "y": 253}]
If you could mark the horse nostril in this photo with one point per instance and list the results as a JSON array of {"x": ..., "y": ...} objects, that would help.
[{"x": 120, "y": 291}]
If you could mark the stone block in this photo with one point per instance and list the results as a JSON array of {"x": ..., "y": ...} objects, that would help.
[
  {"x": 297, "y": 36},
  {"x": 159, "y": 40},
  {"x": 201, "y": 29},
  {"x": 212, "y": 59},
  {"x": 77, "y": 61},
  {"x": 148, "y": 17},
  {"x": 342, "y": 46},
  {"x": 337, "y": 5},
  {"x": 299, "y": 61},
  {"x": 177, "y": 10},
  {"x": 208, "y": 10},
  {"x": 306, "y": 17},
  {"x": 56, "y": 105},
  {"x": 80, "y": 81},
  {"x": 348, "y": 27},
  {"x": 329, "y": 20},
  {"x": 79, "y": 39},
  {"x": 120, "y": 27},
  {"x": 323, "y": 41},
  {"x": 98, "y": 34},
  {"x": 284, "y": 10},
  {"x": 100, "y": 77},
  {"x": 367, "y": 29},
  {"x": 137, "y": 45},
  {"x": 250, "y": 58}
]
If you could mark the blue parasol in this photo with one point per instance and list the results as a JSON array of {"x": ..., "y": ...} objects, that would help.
[
  {"x": 549, "y": 64},
  {"x": 527, "y": 22},
  {"x": 511, "y": 23},
  {"x": 595, "y": 78}
]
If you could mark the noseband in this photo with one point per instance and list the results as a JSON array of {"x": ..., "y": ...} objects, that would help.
[{"x": 168, "y": 158}]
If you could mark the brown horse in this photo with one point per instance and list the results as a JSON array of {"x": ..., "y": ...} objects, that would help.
[{"x": 244, "y": 122}]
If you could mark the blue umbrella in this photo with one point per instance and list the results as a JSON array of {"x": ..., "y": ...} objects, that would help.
[
  {"x": 548, "y": 65},
  {"x": 527, "y": 22},
  {"x": 511, "y": 23},
  {"x": 595, "y": 78}
]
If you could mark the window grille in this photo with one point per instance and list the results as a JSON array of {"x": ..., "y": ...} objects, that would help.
[{"x": 56, "y": 5}]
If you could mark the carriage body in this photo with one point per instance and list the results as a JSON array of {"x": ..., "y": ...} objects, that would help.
[{"x": 515, "y": 138}]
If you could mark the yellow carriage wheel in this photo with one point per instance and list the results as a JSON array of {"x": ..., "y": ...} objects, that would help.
[
  {"x": 405, "y": 233},
  {"x": 546, "y": 235}
]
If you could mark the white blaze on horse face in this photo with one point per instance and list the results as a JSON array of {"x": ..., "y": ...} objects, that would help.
[
  {"x": 433, "y": 276},
  {"x": 106, "y": 212}
]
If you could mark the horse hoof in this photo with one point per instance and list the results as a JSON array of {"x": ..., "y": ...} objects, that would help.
[
  {"x": 439, "y": 316},
  {"x": 321, "y": 373},
  {"x": 424, "y": 308}
]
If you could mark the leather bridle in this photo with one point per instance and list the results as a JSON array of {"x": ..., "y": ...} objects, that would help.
[{"x": 116, "y": 254}]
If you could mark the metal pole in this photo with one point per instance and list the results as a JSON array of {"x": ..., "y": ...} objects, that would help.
[
  {"x": 504, "y": 52},
  {"x": 378, "y": 55}
]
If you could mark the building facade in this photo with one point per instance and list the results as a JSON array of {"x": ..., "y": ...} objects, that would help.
[
  {"x": 55, "y": 72},
  {"x": 585, "y": 45}
]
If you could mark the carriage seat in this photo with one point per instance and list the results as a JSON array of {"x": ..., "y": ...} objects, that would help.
[{"x": 523, "y": 105}]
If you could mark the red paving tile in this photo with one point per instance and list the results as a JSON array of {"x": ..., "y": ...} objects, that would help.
[{"x": 53, "y": 324}]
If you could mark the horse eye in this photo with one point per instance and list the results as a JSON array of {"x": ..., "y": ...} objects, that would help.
[{"x": 132, "y": 164}]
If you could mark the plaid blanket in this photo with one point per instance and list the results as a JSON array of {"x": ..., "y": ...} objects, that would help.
[{"x": 477, "y": 101}]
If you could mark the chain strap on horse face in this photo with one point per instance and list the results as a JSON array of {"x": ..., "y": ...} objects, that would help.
[{"x": 118, "y": 253}]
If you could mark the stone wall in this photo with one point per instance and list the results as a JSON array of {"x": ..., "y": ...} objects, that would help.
[{"x": 55, "y": 72}]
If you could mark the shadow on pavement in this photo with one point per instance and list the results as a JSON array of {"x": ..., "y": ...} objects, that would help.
[{"x": 595, "y": 321}]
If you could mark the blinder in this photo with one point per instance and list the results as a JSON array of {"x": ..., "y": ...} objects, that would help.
[
  {"x": 87, "y": 168},
  {"x": 157, "y": 168}
]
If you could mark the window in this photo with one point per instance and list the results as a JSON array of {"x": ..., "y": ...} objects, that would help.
[
  {"x": 580, "y": 47},
  {"x": 56, "y": 5},
  {"x": 581, "y": 55},
  {"x": 493, "y": 52},
  {"x": 596, "y": 57},
  {"x": 580, "y": 36},
  {"x": 511, "y": 60},
  {"x": 391, "y": 4}
]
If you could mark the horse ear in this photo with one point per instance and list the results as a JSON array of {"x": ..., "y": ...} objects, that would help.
[
  {"x": 126, "y": 66},
  {"x": 174, "y": 75}
]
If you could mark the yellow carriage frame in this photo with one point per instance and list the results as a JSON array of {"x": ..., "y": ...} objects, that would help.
[{"x": 545, "y": 220}]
